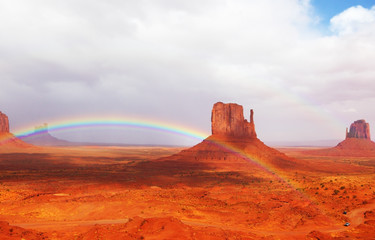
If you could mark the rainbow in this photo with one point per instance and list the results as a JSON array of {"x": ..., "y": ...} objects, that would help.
[
  {"x": 311, "y": 107},
  {"x": 119, "y": 122},
  {"x": 156, "y": 126},
  {"x": 80, "y": 123},
  {"x": 123, "y": 122},
  {"x": 268, "y": 168},
  {"x": 153, "y": 125}
]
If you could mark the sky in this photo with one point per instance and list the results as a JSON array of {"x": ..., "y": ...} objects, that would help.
[
  {"x": 326, "y": 9},
  {"x": 307, "y": 68}
]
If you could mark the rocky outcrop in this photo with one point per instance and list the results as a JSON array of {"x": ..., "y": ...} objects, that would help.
[
  {"x": 4, "y": 123},
  {"x": 232, "y": 145},
  {"x": 359, "y": 129},
  {"x": 228, "y": 120},
  {"x": 356, "y": 144},
  {"x": 42, "y": 137},
  {"x": 7, "y": 139}
]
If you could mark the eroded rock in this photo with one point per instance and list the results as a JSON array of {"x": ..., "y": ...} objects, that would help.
[
  {"x": 359, "y": 129},
  {"x": 228, "y": 120},
  {"x": 4, "y": 123}
]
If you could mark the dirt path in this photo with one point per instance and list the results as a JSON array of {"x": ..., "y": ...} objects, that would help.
[
  {"x": 356, "y": 217},
  {"x": 64, "y": 224}
]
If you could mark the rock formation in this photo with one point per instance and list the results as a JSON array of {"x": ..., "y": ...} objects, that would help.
[
  {"x": 228, "y": 120},
  {"x": 42, "y": 137},
  {"x": 359, "y": 129},
  {"x": 356, "y": 144},
  {"x": 4, "y": 123},
  {"x": 7, "y": 139},
  {"x": 232, "y": 145},
  {"x": 42, "y": 128}
]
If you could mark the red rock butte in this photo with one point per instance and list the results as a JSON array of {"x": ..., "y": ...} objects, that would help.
[
  {"x": 42, "y": 137},
  {"x": 233, "y": 144},
  {"x": 228, "y": 120},
  {"x": 356, "y": 144},
  {"x": 359, "y": 129},
  {"x": 4, "y": 123},
  {"x": 7, "y": 139}
]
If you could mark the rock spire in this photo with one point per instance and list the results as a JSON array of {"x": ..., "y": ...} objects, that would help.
[
  {"x": 4, "y": 123},
  {"x": 228, "y": 120}
]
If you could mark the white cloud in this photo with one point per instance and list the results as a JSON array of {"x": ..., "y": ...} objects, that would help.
[
  {"x": 354, "y": 20},
  {"x": 350, "y": 110},
  {"x": 173, "y": 59}
]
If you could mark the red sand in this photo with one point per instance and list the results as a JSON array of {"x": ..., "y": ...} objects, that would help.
[{"x": 125, "y": 193}]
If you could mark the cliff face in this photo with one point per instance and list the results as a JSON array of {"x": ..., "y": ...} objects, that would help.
[
  {"x": 359, "y": 129},
  {"x": 228, "y": 120},
  {"x": 4, "y": 123},
  {"x": 232, "y": 145},
  {"x": 7, "y": 139}
]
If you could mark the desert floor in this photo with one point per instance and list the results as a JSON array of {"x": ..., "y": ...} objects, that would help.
[{"x": 123, "y": 193}]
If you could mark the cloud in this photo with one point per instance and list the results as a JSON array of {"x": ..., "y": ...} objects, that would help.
[
  {"x": 350, "y": 110},
  {"x": 354, "y": 20},
  {"x": 172, "y": 60}
]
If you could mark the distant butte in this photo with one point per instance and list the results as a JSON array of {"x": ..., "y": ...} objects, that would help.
[
  {"x": 232, "y": 144},
  {"x": 357, "y": 142},
  {"x": 42, "y": 137},
  {"x": 7, "y": 139},
  {"x": 4, "y": 123}
]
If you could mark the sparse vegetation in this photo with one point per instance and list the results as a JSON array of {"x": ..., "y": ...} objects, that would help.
[{"x": 203, "y": 196}]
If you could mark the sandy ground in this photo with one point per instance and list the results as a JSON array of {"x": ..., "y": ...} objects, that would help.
[{"x": 125, "y": 193}]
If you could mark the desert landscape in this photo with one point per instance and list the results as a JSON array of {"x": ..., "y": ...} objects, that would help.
[
  {"x": 229, "y": 186},
  {"x": 176, "y": 119}
]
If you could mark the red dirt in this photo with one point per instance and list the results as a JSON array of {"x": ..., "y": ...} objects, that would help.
[
  {"x": 350, "y": 147},
  {"x": 8, "y": 142},
  {"x": 92, "y": 192},
  {"x": 8, "y": 232},
  {"x": 232, "y": 153}
]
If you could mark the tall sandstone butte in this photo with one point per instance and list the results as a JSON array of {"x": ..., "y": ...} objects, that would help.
[
  {"x": 232, "y": 145},
  {"x": 228, "y": 120},
  {"x": 4, "y": 123},
  {"x": 356, "y": 144},
  {"x": 359, "y": 129}
]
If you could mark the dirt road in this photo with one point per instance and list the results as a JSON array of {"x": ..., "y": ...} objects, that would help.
[
  {"x": 64, "y": 224},
  {"x": 356, "y": 217}
]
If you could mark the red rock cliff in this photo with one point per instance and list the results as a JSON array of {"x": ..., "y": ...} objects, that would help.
[
  {"x": 359, "y": 129},
  {"x": 4, "y": 123},
  {"x": 228, "y": 120}
]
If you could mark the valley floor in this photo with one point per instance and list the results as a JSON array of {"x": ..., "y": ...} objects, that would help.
[{"x": 123, "y": 193}]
